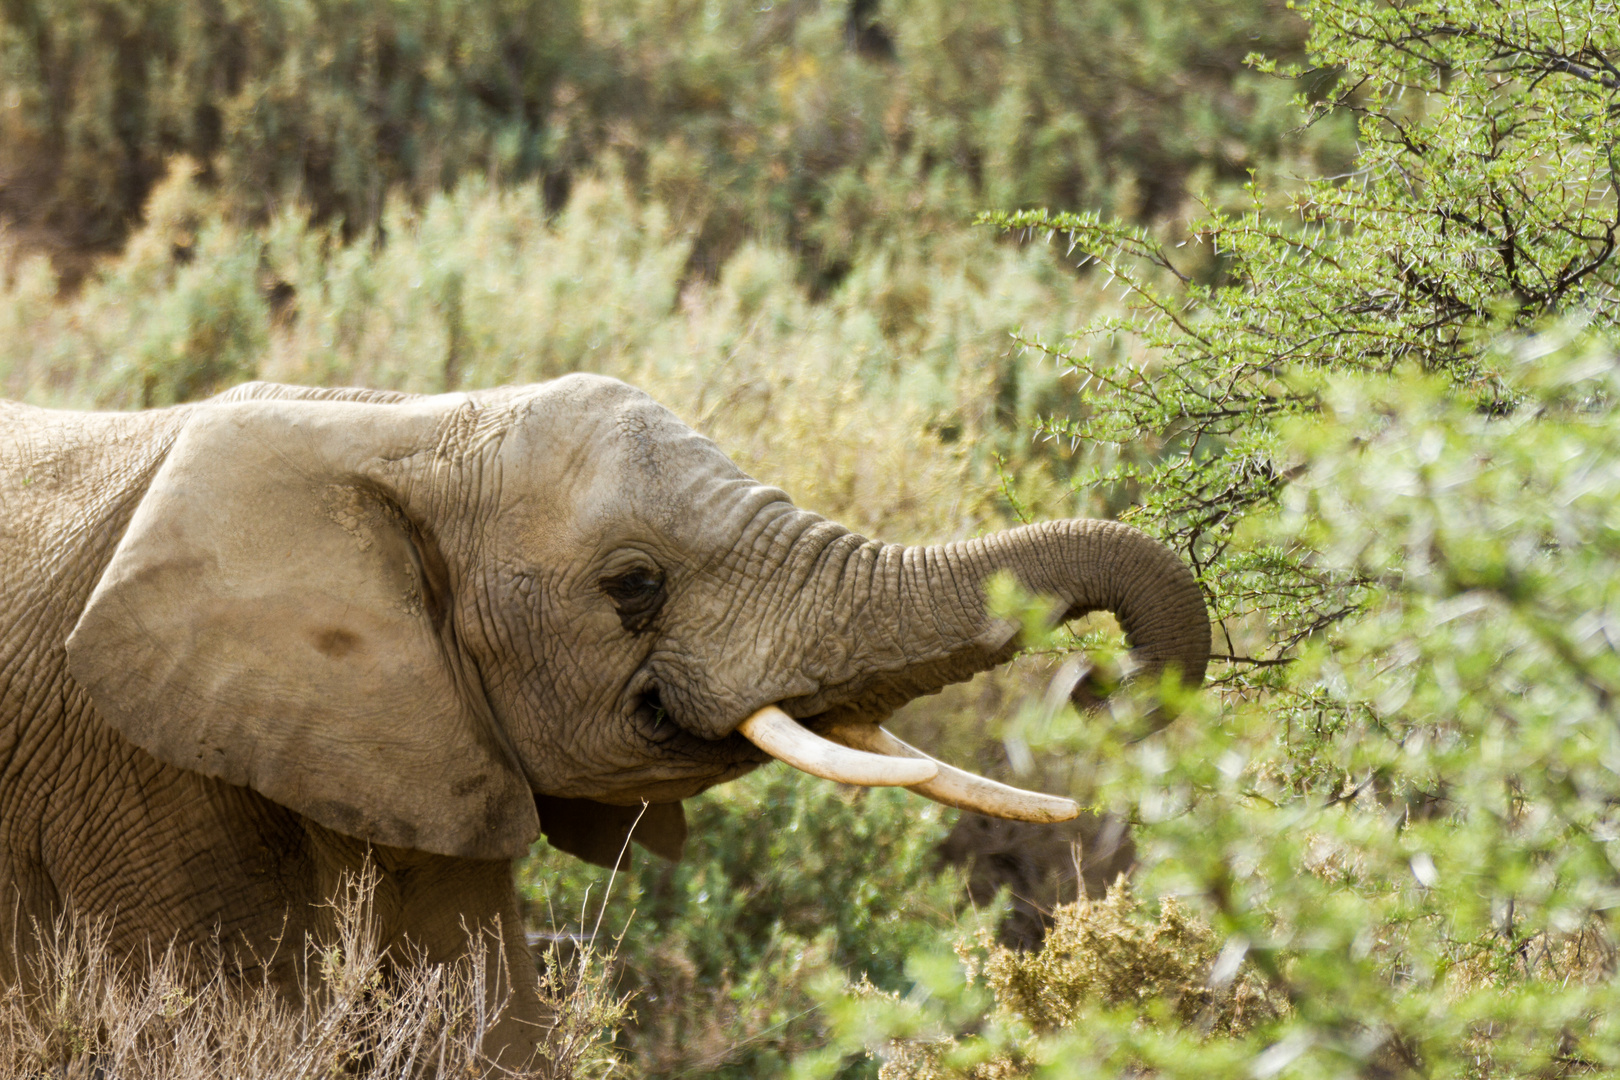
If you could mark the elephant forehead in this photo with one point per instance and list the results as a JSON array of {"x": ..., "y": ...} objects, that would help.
[
  {"x": 636, "y": 469},
  {"x": 652, "y": 447},
  {"x": 595, "y": 430}
]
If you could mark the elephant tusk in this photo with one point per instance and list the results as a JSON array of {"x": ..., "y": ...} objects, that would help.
[
  {"x": 954, "y": 787},
  {"x": 785, "y": 739}
]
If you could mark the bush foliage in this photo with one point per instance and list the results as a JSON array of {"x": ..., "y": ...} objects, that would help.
[
  {"x": 1483, "y": 200},
  {"x": 1378, "y": 412},
  {"x": 479, "y": 286},
  {"x": 1435, "y": 897}
]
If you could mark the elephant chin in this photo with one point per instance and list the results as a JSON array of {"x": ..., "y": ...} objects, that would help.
[{"x": 868, "y": 756}]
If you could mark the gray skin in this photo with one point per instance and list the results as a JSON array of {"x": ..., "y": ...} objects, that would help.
[{"x": 246, "y": 642}]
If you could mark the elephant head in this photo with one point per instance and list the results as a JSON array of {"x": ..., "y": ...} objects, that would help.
[{"x": 449, "y": 623}]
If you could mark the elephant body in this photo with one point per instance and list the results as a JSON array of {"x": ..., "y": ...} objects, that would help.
[{"x": 250, "y": 643}]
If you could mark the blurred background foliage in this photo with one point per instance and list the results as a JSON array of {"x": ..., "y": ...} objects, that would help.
[
  {"x": 1336, "y": 321},
  {"x": 808, "y": 124}
]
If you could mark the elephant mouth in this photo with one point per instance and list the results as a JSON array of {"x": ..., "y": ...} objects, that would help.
[
  {"x": 850, "y": 752},
  {"x": 657, "y": 727},
  {"x": 866, "y": 755}
]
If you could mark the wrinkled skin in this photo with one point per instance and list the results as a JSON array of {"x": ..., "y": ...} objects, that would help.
[{"x": 245, "y": 642}]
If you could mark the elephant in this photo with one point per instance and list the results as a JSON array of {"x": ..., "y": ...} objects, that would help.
[{"x": 249, "y": 643}]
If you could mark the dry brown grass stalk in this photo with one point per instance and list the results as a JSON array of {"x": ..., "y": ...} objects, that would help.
[{"x": 363, "y": 1013}]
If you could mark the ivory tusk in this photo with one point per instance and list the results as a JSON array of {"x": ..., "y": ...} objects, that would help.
[
  {"x": 785, "y": 739},
  {"x": 955, "y": 787}
]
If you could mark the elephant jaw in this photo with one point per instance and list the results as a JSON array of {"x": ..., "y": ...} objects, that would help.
[{"x": 868, "y": 756}]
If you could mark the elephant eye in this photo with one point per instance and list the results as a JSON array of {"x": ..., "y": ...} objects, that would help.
[{"x": 637, "y": 595}]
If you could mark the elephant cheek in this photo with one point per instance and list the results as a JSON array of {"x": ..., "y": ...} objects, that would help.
[{"x": 827, "y": 659}]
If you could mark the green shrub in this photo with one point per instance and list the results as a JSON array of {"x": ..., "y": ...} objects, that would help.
[
  {"x": 1436, "y": 897},
  {"x": 179, "y": 315},
  {"x": 1109, "y": 952},
  {"x": 1483, "y": 198},
  {"x": 1377, "y": 411},
  {"x": 785, "y": 878}
]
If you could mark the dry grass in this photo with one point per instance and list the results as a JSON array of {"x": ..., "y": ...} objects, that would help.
[{"x": 364, "y": 1013}]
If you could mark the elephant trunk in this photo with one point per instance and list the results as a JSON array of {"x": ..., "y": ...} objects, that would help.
[
  {"x": 916, "y": 615},
  {"x": 914, "y": 619},
  {"x": 1098, "y": 566}
]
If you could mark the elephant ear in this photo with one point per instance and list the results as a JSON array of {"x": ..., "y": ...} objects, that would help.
[{"x": 273, "y": 618}]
